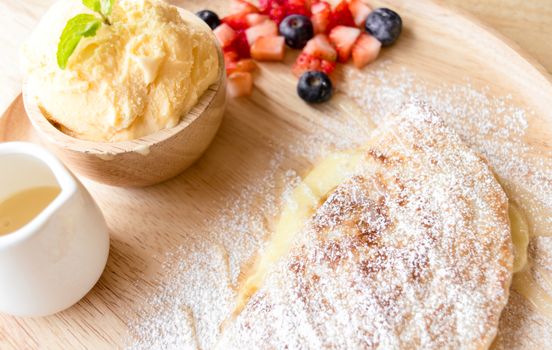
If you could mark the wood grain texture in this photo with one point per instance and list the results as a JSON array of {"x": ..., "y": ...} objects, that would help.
[
  {"x": 438, "y": 45},
  {"x": 527, "y": 22}
]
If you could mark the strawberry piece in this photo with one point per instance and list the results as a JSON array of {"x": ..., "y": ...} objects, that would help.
[
  {"x": 360, "y": 12},
  {"x": 242, "y": 45},
  {"x": 268, "y": 48},
  {"x": 341, "y": 16},
  {"x": 298, "y": 7},
  {"x": 267, "y": 28},
  {"x": 327, "y": 66},
  {"x": 366, "y": 50},
  {"x": 275, "y": 9},
  {"x": 225, "y": 35},
  {"x": 320, "y": 17},
  {"x": 297, "y": 10},
  {"x": 344, "y": 38},
  {"x": 239, "y": 46},
  {"x": 264, "y": 5},
  {"x": 237, "y": 21},
  {"x": 310, "y": 3},
  {"x": 230, "y": 55},
  {"x": 245, "y": 65},
  {"x": 242, "y": 7},
  {"x": 231, "y": 67},
  {"x": 239, "y": 84},
  {"x": 320, "y": 47},
  {"x": 306, "y": 62},
  {"x": 230, "y": 60},
  {"x": 255, "y": 18}
]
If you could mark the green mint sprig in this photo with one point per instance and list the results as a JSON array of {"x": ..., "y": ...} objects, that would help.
[{"x": 82, "y": 26}]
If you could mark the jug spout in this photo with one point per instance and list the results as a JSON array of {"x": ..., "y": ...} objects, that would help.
[{"x": 28, "y": 169}]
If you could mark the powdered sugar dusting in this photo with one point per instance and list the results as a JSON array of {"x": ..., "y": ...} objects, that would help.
[
  {"x": 171, "y": 320},
  {"x": 492, "y": 126},
  {"x": 412, "y": 252},
  {"x": 198, "y": 280}
]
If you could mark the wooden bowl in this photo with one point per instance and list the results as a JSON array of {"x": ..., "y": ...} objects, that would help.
[{"x": 144, "y": 161}]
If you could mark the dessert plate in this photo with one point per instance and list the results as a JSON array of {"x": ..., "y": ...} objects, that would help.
[{"x": 484, "y": 84}]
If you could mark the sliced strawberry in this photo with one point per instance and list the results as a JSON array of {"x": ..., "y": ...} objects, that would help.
[
  {"x": 230, "y": 60},
  {"x": 237, "y": 21},
  {"x": 231, "y": 55},
  {"x": 309, "y": 3},
  {"x": 242, "y": 7},
  {"x": 268, "y": 48},
  {"x": 297, "y": 10},
  {"x": 366, "y": 50},
  {"x": 255, "y": 18},
  {"x": 242, "y": 45},
  {"x": 306, "y": 62},
  {"x": 231, "y": 67},
  {"x": 320, "y": 17},
  {"x": 327, "y": 66},
  {"x": 225, "y": 35},
  {"x": 360, "y": 12},
  {"x": 267, "y": 28},
  {"x": 275, "y": 9},
  {"x": 344, "y": 38},
  {"x": 239, "y": 47},
  {"x": 264, "y": 4},
  {"x": 245, "y": 65},
  {"x": 239, "y": 84},
  {"x": 298, "y": 7},
  {"x": 320, "y": 47},
  {"x": 341, "y": 16}
]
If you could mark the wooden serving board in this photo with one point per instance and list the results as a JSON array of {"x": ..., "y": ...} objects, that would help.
[{"x": 438, "y": 44}]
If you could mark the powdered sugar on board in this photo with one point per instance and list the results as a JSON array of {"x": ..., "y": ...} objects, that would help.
[{"x": 196, "y": 290}]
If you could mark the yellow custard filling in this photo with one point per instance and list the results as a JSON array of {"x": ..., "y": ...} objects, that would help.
[
  {"x": 302, "y": 203},
  {"x": 523, "y": 282}
]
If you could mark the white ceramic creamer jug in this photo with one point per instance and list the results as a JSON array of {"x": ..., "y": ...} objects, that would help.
[{"x": 54, "y": 260}]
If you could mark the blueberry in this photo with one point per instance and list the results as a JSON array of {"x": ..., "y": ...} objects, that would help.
[
  {"x": 315, "y": 87},
  {"x": 209, "y": 17},
  {"x": 385, "y": 25},
  {"x": 297, "y": 30}
]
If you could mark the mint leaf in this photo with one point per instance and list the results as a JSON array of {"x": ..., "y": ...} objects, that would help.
[
  {"x": 102, "y": 7},
  {"x": 106, "y": 6},
  {"x": 94, "y": 5},
  {"x": 83, "y": 25}
]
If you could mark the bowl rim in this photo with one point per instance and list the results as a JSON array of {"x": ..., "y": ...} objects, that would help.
[{"x": 140, "y": 145}]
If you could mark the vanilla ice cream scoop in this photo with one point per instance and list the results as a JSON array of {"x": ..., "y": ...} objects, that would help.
[{"x": 136, "y": 76}]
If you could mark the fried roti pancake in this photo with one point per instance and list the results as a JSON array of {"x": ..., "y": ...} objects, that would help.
[{"x": 410, "y": 249}]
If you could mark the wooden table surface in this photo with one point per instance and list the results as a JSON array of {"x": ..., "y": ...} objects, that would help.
[
  {"x": 527, "y": 22},
  {"x": 247, "y": 145}
]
